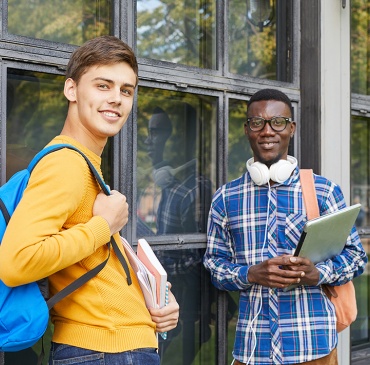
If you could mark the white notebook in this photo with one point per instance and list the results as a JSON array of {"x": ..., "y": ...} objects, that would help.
[{"x": 325, "y": 237}]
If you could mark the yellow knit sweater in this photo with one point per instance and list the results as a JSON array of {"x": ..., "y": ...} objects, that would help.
[{"x": 52, "y": 234}]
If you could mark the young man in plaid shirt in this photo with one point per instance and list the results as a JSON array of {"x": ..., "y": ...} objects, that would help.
[{"x": 255, "y": 223}]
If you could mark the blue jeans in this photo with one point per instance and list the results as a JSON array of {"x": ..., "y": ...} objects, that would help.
[{"x": 64, "y": 354}]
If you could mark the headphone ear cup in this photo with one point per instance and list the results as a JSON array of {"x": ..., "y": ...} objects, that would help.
[
  {"x": 163, "y": 176},
  {"x": 259, "y": 172},
  {"x": 281, "y": 170}
]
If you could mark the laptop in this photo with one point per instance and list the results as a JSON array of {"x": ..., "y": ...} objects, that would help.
[{"x": 325, "y": 237}]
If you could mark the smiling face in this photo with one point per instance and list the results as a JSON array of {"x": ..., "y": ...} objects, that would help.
[
  {"x": 269, "y": 146},
  {"x": 99, "y": 104}
]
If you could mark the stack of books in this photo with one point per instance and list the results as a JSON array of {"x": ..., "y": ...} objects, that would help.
[{"x": 150, "y": 273}]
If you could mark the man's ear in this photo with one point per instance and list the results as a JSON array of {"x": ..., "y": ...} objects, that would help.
[
  {"x": 246, "y": 131},
  {"x": 292, "y": 128},
  {"x": 70, "y": 89}
]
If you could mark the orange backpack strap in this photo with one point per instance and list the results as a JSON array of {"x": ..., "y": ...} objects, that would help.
[
  {"x": 343, "y": 297},
  {"x": 309, "y": 193}
]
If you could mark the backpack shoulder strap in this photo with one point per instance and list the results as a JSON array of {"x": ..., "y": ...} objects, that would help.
[
  {"x": 45, "y": 151},
  {"x": 93, "y": 272},
  {"x": 312, "y": 208},
  {"x": 309, "y": 193}
]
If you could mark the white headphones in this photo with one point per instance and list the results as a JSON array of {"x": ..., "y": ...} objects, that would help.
[
  {"x": 165, "y": 175},
  {"x": 278, "y": 172}
]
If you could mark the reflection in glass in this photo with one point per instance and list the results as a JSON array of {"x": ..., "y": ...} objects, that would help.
[
  {"x": 68, "y": 21},
  {"x": 36, "y": 110},
  {"x": 260, "y": 12},
  {"x": 175, "y": 167},
  {"x": 360, "y": 162},
  {"x": 255, "y": 28},
  {"x": 179, "y": 31},
  {"x": 239, "y": 148},
  {"x": 360, "y": 193},
  {"x": 174, "y": 161},
  {"x": 193, "y": 340},
  {"x": 360, "y": 46}
]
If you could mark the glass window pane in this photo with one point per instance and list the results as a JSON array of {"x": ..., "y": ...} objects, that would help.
[
  {"x": 193, "y": 341},
  {"x": 36, "y": 110},
  {"x": 239, "y": 149},
  {"x": 360, "y": 41},
  {"x": 175, "y": 180},
  {"x": 177, "y": 31},
  {"x": 360, "y": 193},
  {"x": 174, "y": 161},
  {"x": 68, "y": 21},
  {"x": 256, "y": 28}
]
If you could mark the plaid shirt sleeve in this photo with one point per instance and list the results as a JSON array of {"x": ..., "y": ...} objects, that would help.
[
  {"x": 219, "y": 256},
  {"x": 351, "y": 262}
]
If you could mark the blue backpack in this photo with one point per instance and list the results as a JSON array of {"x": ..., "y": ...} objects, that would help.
[{"x": 24, "y": 313}]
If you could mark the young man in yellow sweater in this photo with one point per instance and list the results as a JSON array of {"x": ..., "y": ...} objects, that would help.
[{"x": 63, "y": 222}]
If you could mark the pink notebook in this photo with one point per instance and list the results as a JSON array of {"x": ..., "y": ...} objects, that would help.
[{"x": 150, "y": 260}]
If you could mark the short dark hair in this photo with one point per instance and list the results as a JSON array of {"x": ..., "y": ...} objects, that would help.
[
  {"x": 163, "y": 119},
  {"x": 271, "y": 94},
  {"x": 104, "y": 50}
]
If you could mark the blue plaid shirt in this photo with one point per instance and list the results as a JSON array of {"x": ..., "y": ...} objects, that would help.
[{"x": 294, "y": 326}]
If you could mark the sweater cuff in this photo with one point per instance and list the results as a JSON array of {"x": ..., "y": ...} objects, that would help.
[{"x": 100, "y": 229}]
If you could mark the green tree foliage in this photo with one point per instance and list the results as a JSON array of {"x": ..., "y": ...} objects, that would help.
[
  {"x": 67, "y": 21},
  {"x": 360, "y": 82},
  {"x": 360, "y": 46},
  {"x": 239, "y": 150},
  {"x": 36, "y": 109},
  {"x": 181, "y": 31},
  {"x": 251, "y": 51},
  {"x": 360, "y": 147}
]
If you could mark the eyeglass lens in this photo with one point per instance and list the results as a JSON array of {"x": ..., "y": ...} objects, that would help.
[{"x": 278, "y": 124}]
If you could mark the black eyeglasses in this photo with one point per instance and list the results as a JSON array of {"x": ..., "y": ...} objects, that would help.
[{"x": 277, "y": 124}]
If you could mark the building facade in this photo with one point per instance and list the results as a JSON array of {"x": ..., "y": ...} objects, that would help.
[{"x": 199, "y": 62}]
